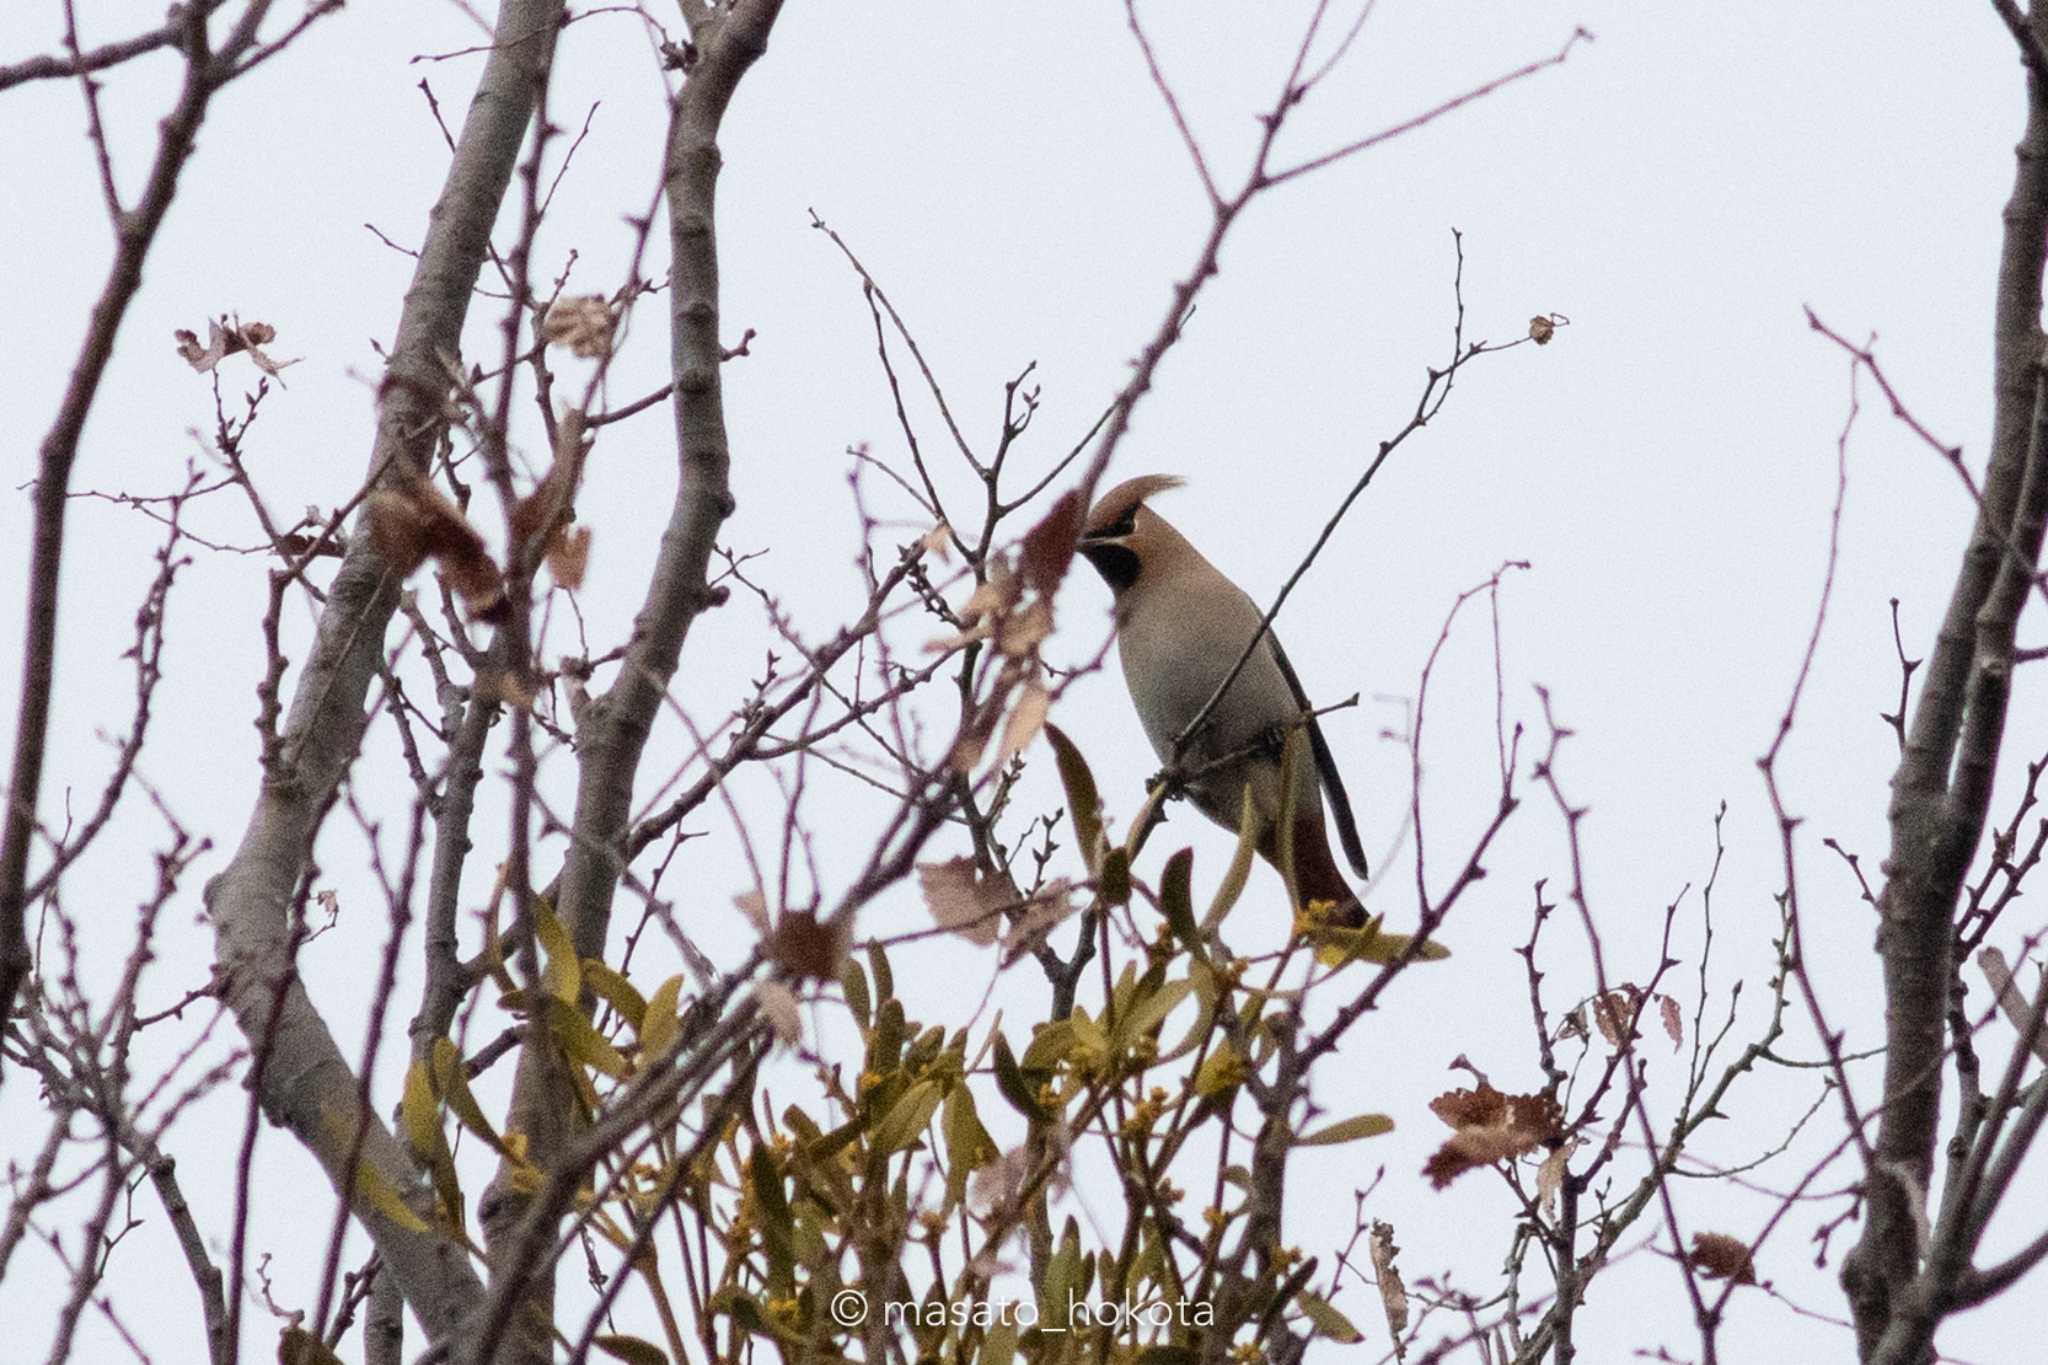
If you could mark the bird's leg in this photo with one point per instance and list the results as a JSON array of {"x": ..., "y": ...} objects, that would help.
[
  {"x": 1173, "y": 777},
  {"x": 1272, "y": 741}
]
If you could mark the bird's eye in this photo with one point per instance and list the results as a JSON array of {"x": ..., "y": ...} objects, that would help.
[{"x": 1122, "y": 526}]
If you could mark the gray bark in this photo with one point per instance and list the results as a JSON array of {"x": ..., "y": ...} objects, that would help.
[
  {"x": 1942, "y": 790},
  {"x": 308, "y": 1085}
]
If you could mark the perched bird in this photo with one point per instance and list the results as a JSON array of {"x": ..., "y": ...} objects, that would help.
[{"x": 1181, "y": 627}]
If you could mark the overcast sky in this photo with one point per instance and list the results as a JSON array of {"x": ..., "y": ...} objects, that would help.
[{"x": 1678, "y": 189}]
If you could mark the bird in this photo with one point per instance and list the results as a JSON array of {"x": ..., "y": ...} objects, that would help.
[{"x": 1181, "y": 625}]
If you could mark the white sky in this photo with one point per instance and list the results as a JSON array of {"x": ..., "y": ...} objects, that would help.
[{"x": 1678, "y": 189}]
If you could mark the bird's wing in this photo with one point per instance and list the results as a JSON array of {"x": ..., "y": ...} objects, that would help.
[{"x": 1326, "y": 764}]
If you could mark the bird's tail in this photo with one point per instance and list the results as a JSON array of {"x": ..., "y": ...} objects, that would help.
[{"x": 1318, "y": 878}]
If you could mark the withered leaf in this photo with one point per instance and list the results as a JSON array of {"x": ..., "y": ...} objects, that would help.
[
  {"x": 754, "y": 906},
  {"x": 1393, "y": 1291},
  {"x": 1550, "y": 1177},
  {"x": 582, "y": 322},
  {"x": 1041, "y": 915},
  {"x": 1027, "y": 718},
  {"x": 973, "y": 741},
  {"x": 415, "y": 522},
  {"x": 1489, "y": 1127},
  {"x": 1721, "y": 1257},
  {"x": 1020, "y": 632},
  {"x": 778, "y": 1006},
  {"x": 569, "y": 555},
  {"x": 1541, "y": 330},
  {"x": 993, "y": 596},
  {"x": 505, "y": 686},
  {"x": 1674, "y": 1027},
  {"x": 962, "y": 901},
  {"x": 1615, "y": 1012},
  {"x": 553, "y": 500},
  {"x": 809, "y": 948},
  {"x": 231, "y": 336},
  {"x": 1048, "y": 548}
]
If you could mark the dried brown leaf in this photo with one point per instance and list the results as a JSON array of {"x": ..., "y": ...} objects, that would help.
[
  {"x": 230, "y": 336},
  {"x": 1550, "y": 1177},
  {"x": 993, "y": 596},
  {"x": 569, "y": 555},
  {"x": 1674, "y": 1026},
  {"x": 808, "y": 947},
  {"x": 1615, "y": 1012},
  {"x": 505, "y": 687},
  {"x": 1541, "y": 330},
  {"x": 1023, "y": 631},
  {"x": 1041, "y": 915},
  {"x": 962, "y": 901},
  {"x": 1393, "y": 1291},
  {"x": 754, "y": 906},
  {"x": 582, "y": 322},
  {"x": 1048, "y": 548},
  {"x": 1721, "y": 1257},
  {"x": 778, "y": 1006},
  {"x": 946, "y": 644},
  {"x": 417, "y": 522},
  {"x": 1027, "y": 718},
  {"x": 1573, "y": 1025},
  {"x": 1490, "y": 1127}
]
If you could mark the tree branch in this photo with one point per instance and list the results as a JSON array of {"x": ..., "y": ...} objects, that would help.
[{"x": 308, "y": 1085}]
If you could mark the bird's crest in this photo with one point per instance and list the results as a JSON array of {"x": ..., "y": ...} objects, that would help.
[{"x": 1119, "y": 503}]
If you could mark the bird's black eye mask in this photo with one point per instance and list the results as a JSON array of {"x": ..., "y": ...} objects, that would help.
[
  {"x": 1118, "y": 564},
  {"x": 1116, "y": 530}
]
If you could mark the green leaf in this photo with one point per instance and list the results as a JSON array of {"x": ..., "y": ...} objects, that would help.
[
  {"x": 1202, "y": 980},
  {"x": 1220, "y": 1071},
  {"x": 1084, "y": 805},
  {"x": 615, "y": 991},
  {"x": 777, "y": 1230},
  {"x": 1348, "y": 1130},
  {"x": 1015, "y": 1086},
  {"x": 1176, "y": 898},
  {"x": 632, "y": 1350},
  {"x": 885, "y": 980},
  {"x": 885, "y": 1048},
  {"x": 1062, "y": 1281},
  {"x": 854, "y": 982},
  {"x": 581, "y": 1040},
  {"x": 999, "y": 1347},
  {"x": 1150, "y": 1012},
  {"x": 905, "y": 1122},
  {"x": 1049, "y": 1046},
  {"x": 1091, "y": 1044},
  {"x": 297, "y": 1346},
  {"x": 562, "y": 976},
  {"x": 383, "y": 1196},
  {"x": 419, "y": 1112},
  {"x": 1283, "y": 841},
  {"x": 662, "y": 1022},
  {"x": 1114, "y": 881},
  {"x": 1337, "y": 946},
  {"x": 968, "y": 1145},
  {"x": 1240, "y": 869},
  {"x": 747, "y": 1312},
  {"x": 1328, "y": 1321},
  {"x": 451, "y": 1078}
]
